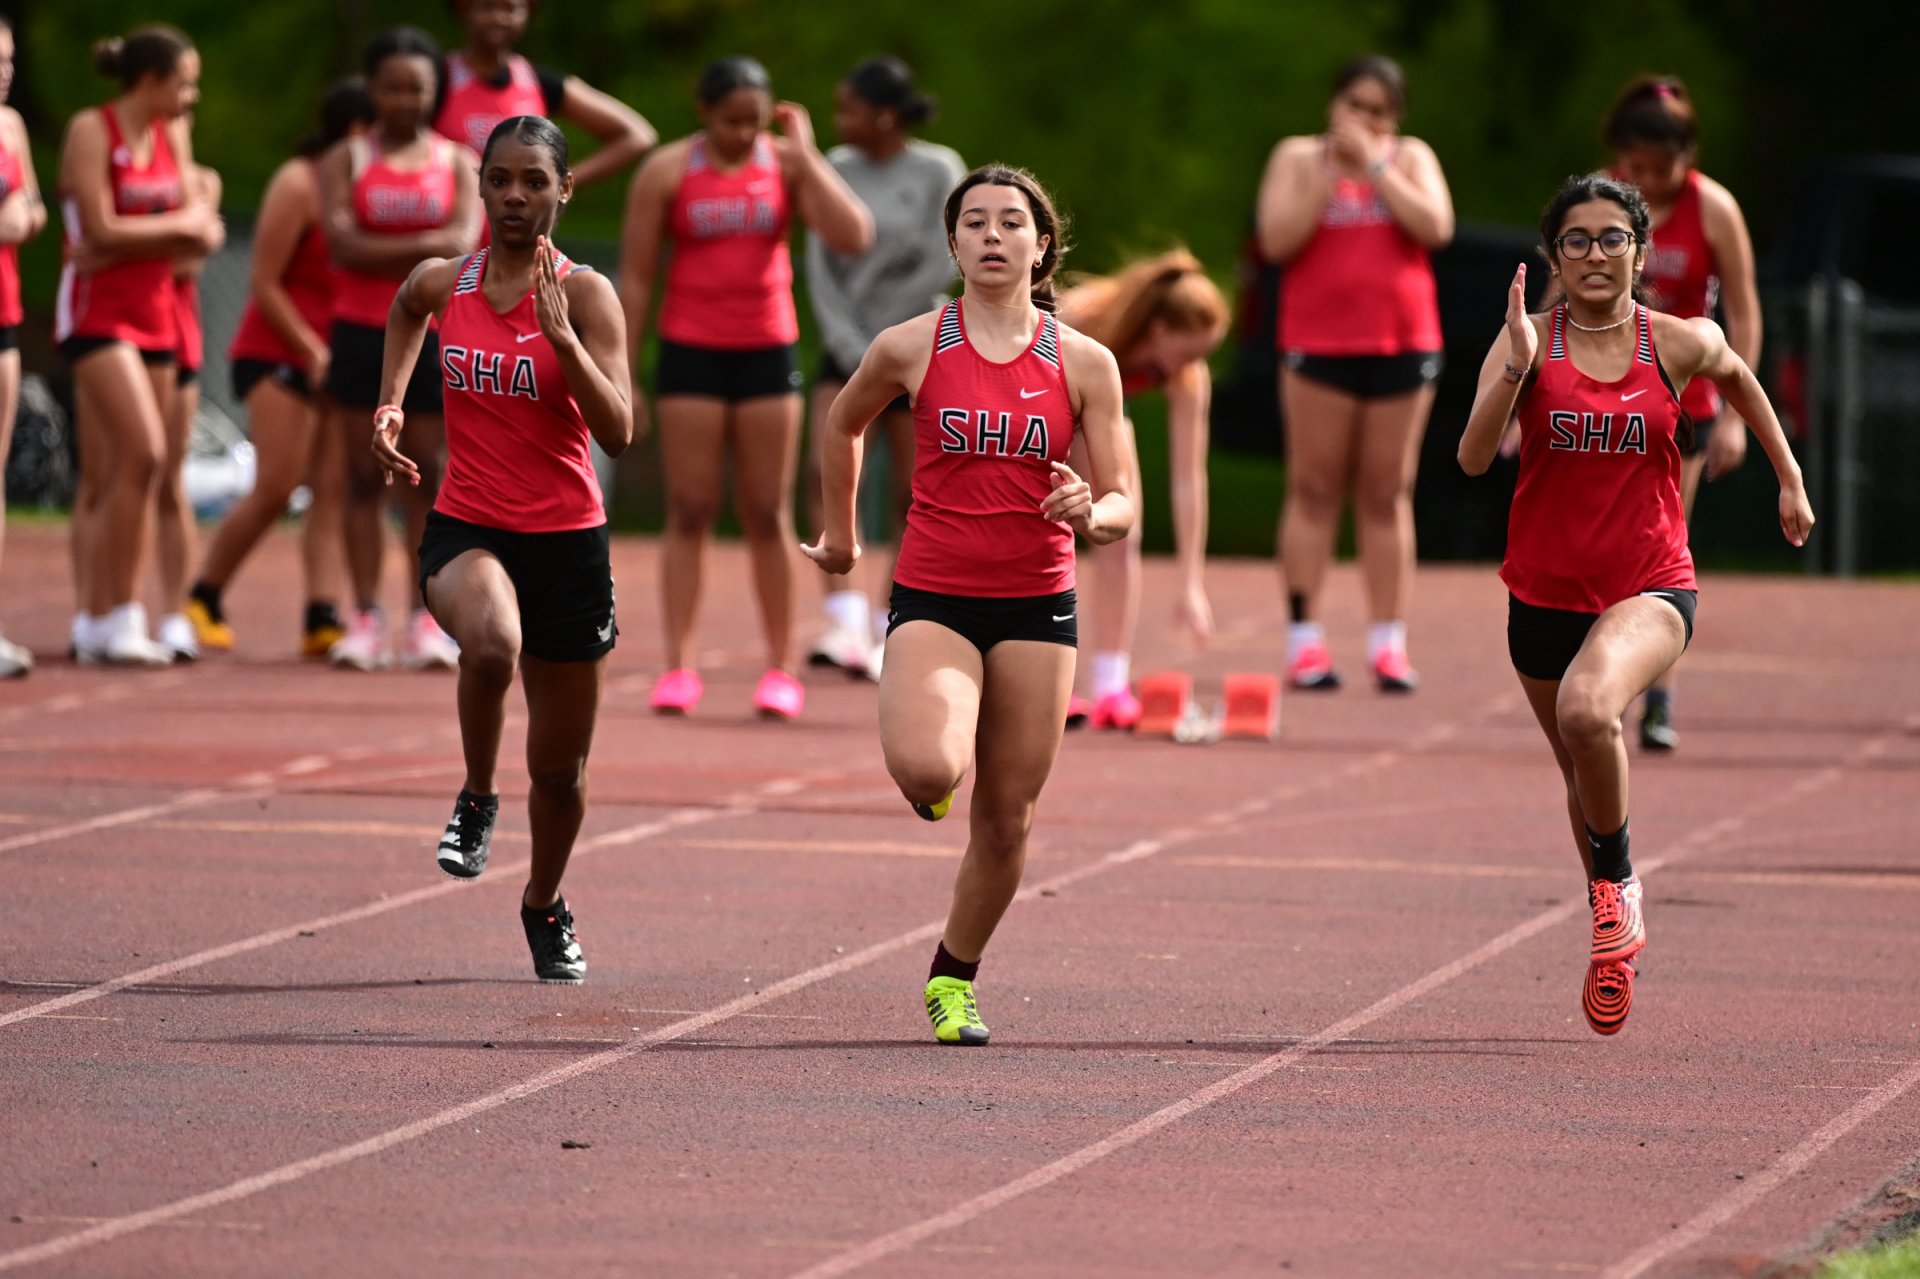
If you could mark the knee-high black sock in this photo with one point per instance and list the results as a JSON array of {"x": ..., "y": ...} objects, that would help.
[
  {"x": 1610, "y": 854},
  {"x": 945, "y": 965}
]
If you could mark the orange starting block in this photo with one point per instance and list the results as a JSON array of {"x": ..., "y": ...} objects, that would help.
[
  {"x": 1253, "y": 707},
  {"x": 1164, "y": 698}
]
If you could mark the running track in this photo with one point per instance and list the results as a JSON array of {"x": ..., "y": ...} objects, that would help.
[{"x": 1307, "y": 1009}]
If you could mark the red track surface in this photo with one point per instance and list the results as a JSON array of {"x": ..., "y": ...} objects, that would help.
[{"x": 1309, "y": 1008}]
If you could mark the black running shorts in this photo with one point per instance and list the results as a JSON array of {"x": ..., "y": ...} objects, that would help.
[
  {"x": 1544, "y": 641},
  {"x": 563, "y": 581},
  {"x": 353, "y": 376},
  {"x": 984, "y": 621},
  {"x": 726, "y": 375},
  {"x": 1369, "y": 377}
]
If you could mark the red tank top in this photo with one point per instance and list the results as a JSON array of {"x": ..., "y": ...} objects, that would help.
[
  {"x": 1596, "y": 515},
  {"x": 12, "y": 177},
  {"x": 1361, "y": 285},
  {"x": 390, "y": 201},
  {"x": 1140, "y": 379},
  {"x": 192, "y": 351},
  {"x": 984, "y": 435},
  {"x": 131, "y": 301},
  {"x": 730, "y": 285},
  {"x": 473, "y": 107},
  {"x": 517, "y": 445},
  {"x": 308, "y": 280},
  {"x": 1685, "y": 281}
]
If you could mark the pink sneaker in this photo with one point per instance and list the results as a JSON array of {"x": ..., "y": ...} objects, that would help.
[
  {"x": 678, "y": 691},
  {"x": 1312, "y": 667},
  {"x": 1393, "y": 672},
  {"x": 779, "y": 695},
  {"x": 1119, "y": 710},
  {"x": 1079, "y": 710}
]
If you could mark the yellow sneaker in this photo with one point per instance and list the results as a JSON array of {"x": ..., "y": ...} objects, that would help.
[
  {"x": 934, "y": 812},
  {"x": 212, "y": 632},
  {"x": 315, "y": 642},
  {"x": 956, "y": 1018}
]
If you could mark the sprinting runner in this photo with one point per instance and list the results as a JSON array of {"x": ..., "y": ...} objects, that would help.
[
  {"x": 22, "y": 216},
  {"x": 1161, "y": 318},
  {"x": 903, "y": 181},
  {"x": 1353, "y": 213},
  {"x": 174, "y": 531},
  {"x": 515, "y": 558},
  {"x": 980, "y": 655},
  {"x": 279, "y": 361},
  {"x": 1701, "y": 254},
  {"x": 488, "y": 82},
  {"x": 392, "y": 199},
  {"x": 1602, "y": 591},
  {"x": 727, "y": 381},
  {"x": 128, "y": 215}
]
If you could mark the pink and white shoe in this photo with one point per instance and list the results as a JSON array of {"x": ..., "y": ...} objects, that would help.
[
  {"x": 1393, "y": 672},
  {"x": 779, "y": 695},
  {"x": 428, "y": 647},
  {"x": 364, "y": 646},
  {"x": 1116, "y": 710},
  {"x": 678, "y": 691},
  {"x": 1079, "y": 711},
  {"x": 1312, "y": 668}
]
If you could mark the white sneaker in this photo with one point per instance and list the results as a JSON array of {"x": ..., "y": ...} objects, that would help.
[
  {"x": 364, "y": 646},
  {"x": 428, "y": 647},
  {"x": 14, "y": 660},
  {"x": 842, "y": 646},
  {"x": 876, "y": 658},
  {"x": 122, "y": 639},
  {"x": 177, "y": 636}
]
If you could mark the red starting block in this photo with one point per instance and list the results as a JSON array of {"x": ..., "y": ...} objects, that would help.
[
  {"x": 1164, "y": 697},
  {"x": 1253, "y": 707}
]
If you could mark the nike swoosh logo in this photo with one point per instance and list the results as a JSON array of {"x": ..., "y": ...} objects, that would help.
[
  {"x": 525, "y": 337},
  {"x": 1028, "y": 395},
  {"x": 1625, "y": 396},
  {"x": 605, "y": 632},
  {"x": 1067, "y": 618}
]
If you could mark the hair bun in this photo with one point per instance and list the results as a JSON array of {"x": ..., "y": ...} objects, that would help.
[{"x": 108, "y": 54}]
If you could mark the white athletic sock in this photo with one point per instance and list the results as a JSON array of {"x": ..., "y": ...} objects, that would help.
[
  {"x": 1386, "y": 637},
  {"x": 83, "y": 628},
  {"x": 1110, "y": 673},
  {"x": 848, "y": 610},
  {"x": 1301, "y": 634}
]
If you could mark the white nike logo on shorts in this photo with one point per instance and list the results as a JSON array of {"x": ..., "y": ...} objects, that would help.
[
  {"x": 1625, "y": 396},
  {"x": 1025, "y": 394},
  {"x": 1067, "y": 618},
  {"x": 605, "y": 632}
]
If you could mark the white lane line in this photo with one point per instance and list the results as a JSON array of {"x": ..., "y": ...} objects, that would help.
[
  {"x": 907, "y": 1236},
  {"x": 117, "y": 691},
  {"x": 116, "y": 1227},
  {"x": 675, "y": 820},
  {"x": 1751, "y": 1191}
]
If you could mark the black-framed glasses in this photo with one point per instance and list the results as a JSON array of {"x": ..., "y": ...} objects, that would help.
[{"x": 1578, "y": 244}]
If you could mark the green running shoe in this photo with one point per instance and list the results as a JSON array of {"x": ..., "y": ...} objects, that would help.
[
  {"x": 956, "y": 1018},
  {"x": 934, "y": 812}
]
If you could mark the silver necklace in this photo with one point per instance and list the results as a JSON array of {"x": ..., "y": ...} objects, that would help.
[{"x": 1599, "y": 328}]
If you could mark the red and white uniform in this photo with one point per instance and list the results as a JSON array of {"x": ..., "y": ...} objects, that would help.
[
  {"x": 1685, "y": 280},
  {"x": 730, "y": 285},
  {"x": 12, "y": 177},
  {"x": 131, "y": 301},
  {"x": 308, "y": 280},
  {"x": 985, "y": 436},
  {"x": 390, "y": 201},
  {"x": 517, "y": 445},
  {"x": 473, "y": 107},
  {"x": 1596, "y": 515},
  {"x": 1361, "y": 285}
]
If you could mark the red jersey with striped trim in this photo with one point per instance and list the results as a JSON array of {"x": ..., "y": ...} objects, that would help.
[
  {"x": 1685, "y": 279},
  {"x": 473, "y": 107},
  {"x": 730, "y": 284},
  {"x": 390, "y": 201},
  {"x": 130, "y": 301},
  {"x": 984, "y": 437},
  {"x": 1596, "y": 515},
  {"x": 308, "y": 280},
  {"x": 12, "y": 177},
  {"x": 517, "y": 445},
  {"x": 1361, "y": 285}
]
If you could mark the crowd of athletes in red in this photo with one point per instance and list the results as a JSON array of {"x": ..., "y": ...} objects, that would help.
[{"x": 408, "y": 294}]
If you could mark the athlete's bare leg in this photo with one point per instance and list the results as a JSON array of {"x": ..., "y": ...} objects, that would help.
[
  {"x": 474, "y": 601},
  {"x": 121, "y": 403},
  {"x": 1388, "y": 458},
  {"x": 693, "y": 453},
  {"x": 1321, "y": 424},
  {"x": 282, "y": 427},
  {"x": 765, "y": 440},
  {"x": 563, "y": 702},
  {"x": 173, "y": 515},
  {"x": 323, "y": 547},
  {"x": 366, "y": 491},
  {"x": 425, "y": 442},
  {"x": 9, "y": 403}
]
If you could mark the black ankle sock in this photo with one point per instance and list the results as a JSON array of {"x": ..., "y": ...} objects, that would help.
[
  {"x": 1610, "y": 854},
  {"x": 209, "y": 597},
  {"x": 945, "y": 965},
  {"x": 1296, "y": 607},
  {"x": 1660, "y": 699},
  {"x": 321, "y": 613}
]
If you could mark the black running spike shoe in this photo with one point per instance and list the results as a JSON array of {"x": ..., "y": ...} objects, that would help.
[
  {"x": 469, "y": 835},
  {"x": 556, "y": 951}
]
